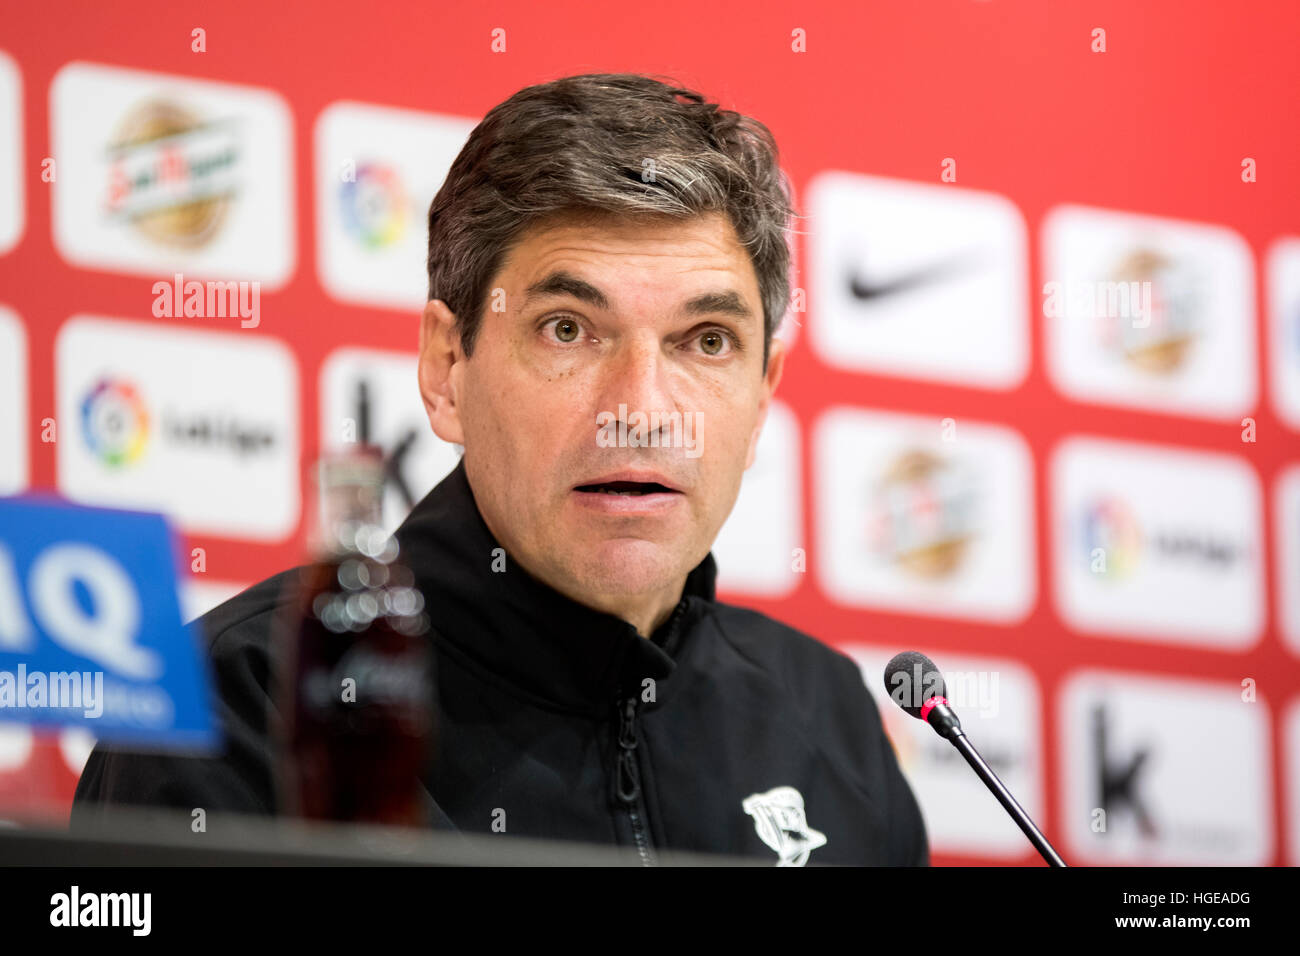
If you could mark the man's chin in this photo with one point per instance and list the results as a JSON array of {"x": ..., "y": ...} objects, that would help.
[{"x": 629, "y": 566}]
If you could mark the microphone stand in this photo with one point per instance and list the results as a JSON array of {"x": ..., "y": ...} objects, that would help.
[{"x": 942, "y": 718}]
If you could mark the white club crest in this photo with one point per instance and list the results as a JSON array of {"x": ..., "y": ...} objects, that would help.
[{"x": 781, "y": 824}]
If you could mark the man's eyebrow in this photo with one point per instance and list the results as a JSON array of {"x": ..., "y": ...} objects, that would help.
[
  {"x": 713, "y": 303},
  {"x": 566, "y": 283},
  {"x": 562, "y": 283}
]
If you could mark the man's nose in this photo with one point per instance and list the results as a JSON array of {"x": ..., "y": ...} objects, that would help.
[{"x": 640, "y": 377}]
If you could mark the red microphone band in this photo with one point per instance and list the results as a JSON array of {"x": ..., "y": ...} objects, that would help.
[{"x": 929, "y": 705}]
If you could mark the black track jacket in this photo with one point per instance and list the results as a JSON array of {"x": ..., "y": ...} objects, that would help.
[{"x": 760, "y": 741}]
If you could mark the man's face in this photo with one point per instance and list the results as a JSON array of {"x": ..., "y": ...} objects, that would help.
[{"x": 609, "y": 336}]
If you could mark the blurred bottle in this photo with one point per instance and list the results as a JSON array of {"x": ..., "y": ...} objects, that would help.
[{"x": 355, "y": 684}]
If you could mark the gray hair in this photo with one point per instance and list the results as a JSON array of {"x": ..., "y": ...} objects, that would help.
[{"x": 584, "y": 144}]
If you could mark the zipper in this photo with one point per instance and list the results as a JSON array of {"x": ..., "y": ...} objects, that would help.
[
  {"x": 627, "y": 780},
  {"x": 627, "y": 773}
]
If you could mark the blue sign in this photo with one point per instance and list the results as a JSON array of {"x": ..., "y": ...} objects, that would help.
[{"x": 90, "y": 627}]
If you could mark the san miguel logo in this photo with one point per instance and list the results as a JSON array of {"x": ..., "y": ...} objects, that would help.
[
  {"x": 1159, "y": 329},
  {"x": 922, "y": 514},
  {"x": 172, "y": 176}
]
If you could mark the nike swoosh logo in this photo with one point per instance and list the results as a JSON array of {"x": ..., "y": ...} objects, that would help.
[{"x": 865, "y": 290}]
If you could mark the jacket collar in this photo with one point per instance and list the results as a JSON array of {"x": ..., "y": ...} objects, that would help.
[{"x": 522, "y": 630}]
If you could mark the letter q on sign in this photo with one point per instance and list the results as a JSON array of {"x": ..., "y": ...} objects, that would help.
[{"x": 107, "y": 633}]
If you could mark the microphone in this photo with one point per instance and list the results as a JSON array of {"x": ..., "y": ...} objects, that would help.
[{"x": 916, "y": 685}]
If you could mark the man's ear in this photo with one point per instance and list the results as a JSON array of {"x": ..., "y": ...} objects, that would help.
[
  {"x": 775, "y": 365},
  {"x": 440, "y": 370}
]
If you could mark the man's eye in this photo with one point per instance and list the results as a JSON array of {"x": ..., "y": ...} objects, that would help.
[
  {"x": 566, "y": 329},
  {"x": 714, "y": 342}
]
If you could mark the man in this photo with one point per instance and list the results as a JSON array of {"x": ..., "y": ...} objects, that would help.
[{"x": 607, "y": 267}]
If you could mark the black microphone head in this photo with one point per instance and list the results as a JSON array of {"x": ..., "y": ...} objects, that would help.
[{"x": 911, "y": 679}]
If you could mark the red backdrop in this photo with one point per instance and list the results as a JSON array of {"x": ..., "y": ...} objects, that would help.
[{"x": 1011, "y": 89}]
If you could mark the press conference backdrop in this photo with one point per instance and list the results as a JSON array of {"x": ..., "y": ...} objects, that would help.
[{"x": 1040, "y": 420}]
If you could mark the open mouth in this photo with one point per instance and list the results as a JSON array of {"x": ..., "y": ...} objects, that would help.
[{"x": 627, "y": 488}]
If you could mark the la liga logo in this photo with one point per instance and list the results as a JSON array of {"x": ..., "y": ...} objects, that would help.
[
  {"x": 1111, "y": 537},
  {"x": 114, "y": 422},
  {"x": 374, "y": 206}
]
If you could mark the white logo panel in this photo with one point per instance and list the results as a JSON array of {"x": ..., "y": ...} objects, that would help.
[
  {"x": 912, "y": 522},
  {"x": 1150, "y": 313},
  {"x": 12, "y": 210},
  {"x": 377, "y": 171},
  {"x": 1165, "y": 772},
  {"x": 13, "y": 404},
  {"x": 755, "y": 548},
  {"x": 918, "y": 280},
  {"x": 1286, "y": 506},
  {"x": 374, "y": 395},
  {"x": 1159, "y": 542},
  {"x": 160, "y": 174},
  {"x": 1291, "y": 754},
  {"x": 999, "y": 704},
  {"x": 202, "y": 426},
  {"x": 1284, "y": 324}
]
